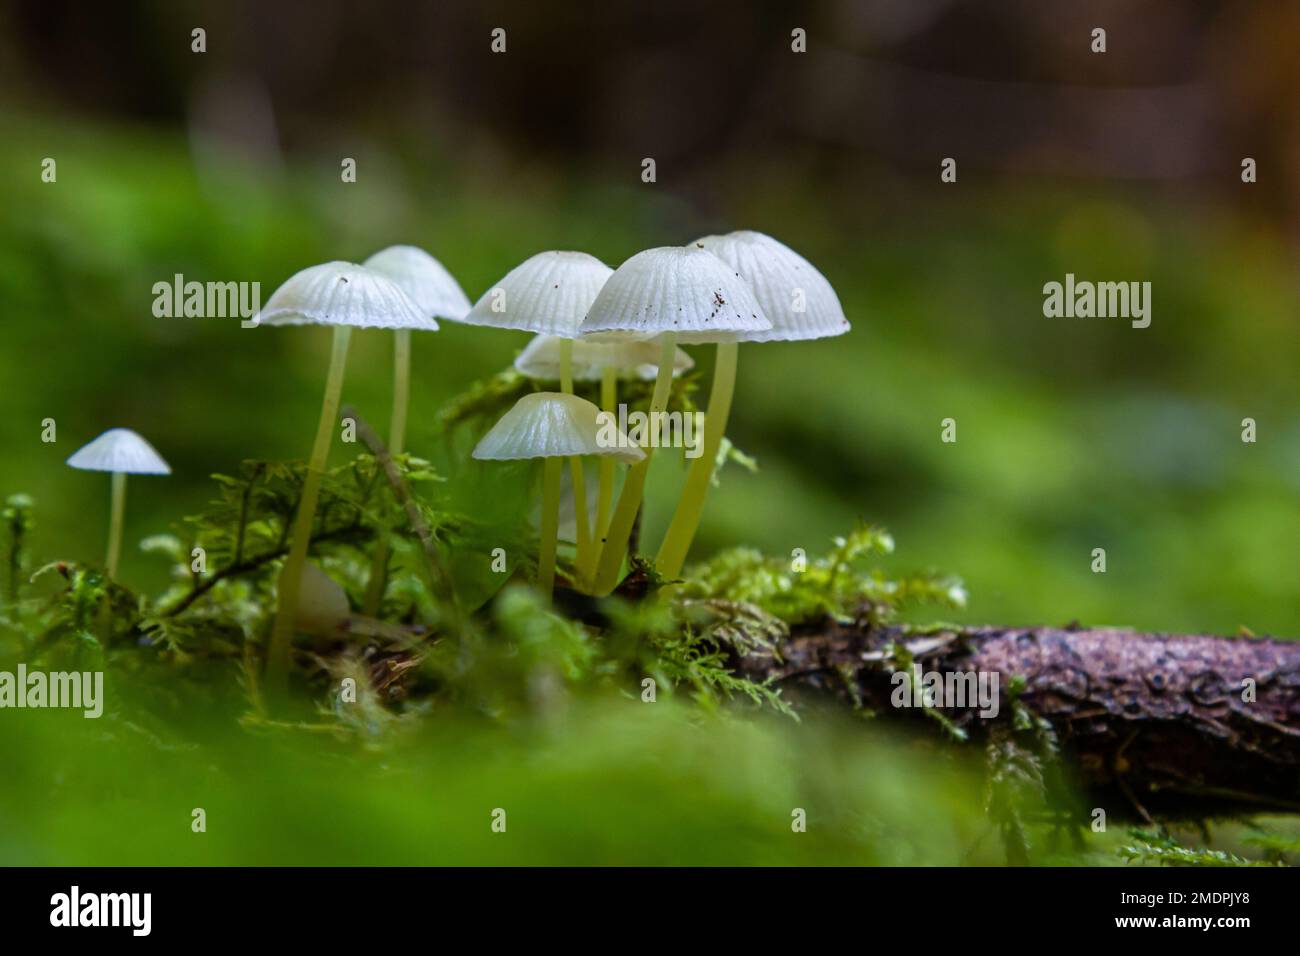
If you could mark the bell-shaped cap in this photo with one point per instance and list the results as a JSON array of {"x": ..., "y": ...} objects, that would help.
[
  {"x": 120, "y": 450},
  {"x": 554, "y": 425},
  {"x": 793, "y": 294},
  {"x": 424, "y": 279},
  {"x": 342, "y": 293},
  {"x": 681, "y": 289},
  {"x": 549, "y": 293},
  {"x": 631, "y": 358}
]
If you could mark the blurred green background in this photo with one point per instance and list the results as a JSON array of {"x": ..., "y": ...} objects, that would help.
[{"x": 1073, "y": 434}]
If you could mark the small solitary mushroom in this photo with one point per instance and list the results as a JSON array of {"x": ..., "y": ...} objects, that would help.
[
  {"x": 605, "y": 362},
  {"x": 672, "y": 293},
  {"x": 342, "y": 295},
  {"x": 121, "y": 452},
  {"x": 802, "y": 305},
  {"x": 553, "y": 426},
  {"x": 550, "y": 293},
  {"x": 436, "y": 293}
]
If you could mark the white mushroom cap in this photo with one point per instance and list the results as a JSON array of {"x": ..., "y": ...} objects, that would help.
[
  {"x": 120, "y": 450},
  {"x": 682, "y": 289},
  {"x": 424, "y": 279},
  {"x": 548, "y": 293},
  {"x": 342, "y": 293},
  {"x": 781, "y": 279},
  {"x": 553, "y": 425},
  {"x": 633, "y": 358}
]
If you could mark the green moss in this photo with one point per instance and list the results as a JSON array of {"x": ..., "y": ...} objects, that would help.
[
  {"x": 805, "y": 588},
  {"x": 186, "y": 661},
  {"x": 1163, "y": 850}
]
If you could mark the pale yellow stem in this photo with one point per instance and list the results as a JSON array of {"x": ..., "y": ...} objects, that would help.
[
  {"x": 605, "y": 491},
  {"x": 686, "y": 519},
  {"x": 396, "y": 441},
  {"x": 277, "y": 653},
  {"x": 584, "y": 545},
  {"x": 629, "y": 500},
  {"x": 550, "y": 527},
  {"x": 116, "y": 513}
]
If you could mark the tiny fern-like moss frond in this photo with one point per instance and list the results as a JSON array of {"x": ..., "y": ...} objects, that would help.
[
  {"x": 1158, "y": 849},
  {"x": 803, "y": 588}
]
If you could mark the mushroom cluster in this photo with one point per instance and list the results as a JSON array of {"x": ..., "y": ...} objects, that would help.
[
  {"x": 592, "y": 324},
  {"x": 718, "y": 290}
]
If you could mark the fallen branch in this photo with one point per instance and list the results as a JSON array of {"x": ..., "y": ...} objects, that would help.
[{"x": 1172, "y": 725}]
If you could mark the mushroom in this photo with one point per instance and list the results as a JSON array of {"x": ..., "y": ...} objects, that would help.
[
  {"x": 605, "y": 362},
  {"x": 590, "y": 360},
  {"x": 342, "y": 295},
  {"x": 801, "y": 304},
  {"x": 436, "y": 293},
  {"x": 550, "y": 293},
  {"x": 553, "y": 425},
  {"x": 672, "y": 293},
  {"x": 121, "y": 452}
]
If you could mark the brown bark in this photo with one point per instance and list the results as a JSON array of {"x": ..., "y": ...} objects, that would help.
[{"x": 1161, "y": 722}]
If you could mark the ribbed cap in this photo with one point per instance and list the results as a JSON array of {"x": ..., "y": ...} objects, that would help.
[
  {"x": 424, "y": 279},
  {"x": 553, "y": 425},
  {"x": 342, "y": 293},
  {"x": 793, "y": 294},
  {"x": 681, "y": 289},
  {"x": 549, "y": 293},
  {"x": 632, "y": 358},
  {"x": 121, "y": 450}
]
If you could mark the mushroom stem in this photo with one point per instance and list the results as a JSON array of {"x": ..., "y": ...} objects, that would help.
[
  {"x": 605, "y": 491},
  {"x": 686, "y": 519},
  {"x": 396, "y": 440},
  {"x": 401, "y": 390},
  {"x": 277, "y": 654},
  {"x": 116, "y": 511},
  {"x": 584, "y": 543},
  {"x": 629, "y": 500},
  {"x": 550, "y": 527}
]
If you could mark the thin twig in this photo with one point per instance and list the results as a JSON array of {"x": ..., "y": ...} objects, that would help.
[
  {"x": 243, "y": 511},
  {"x": 249, "y": 565},
  {"x": 439, "y": 578}
]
